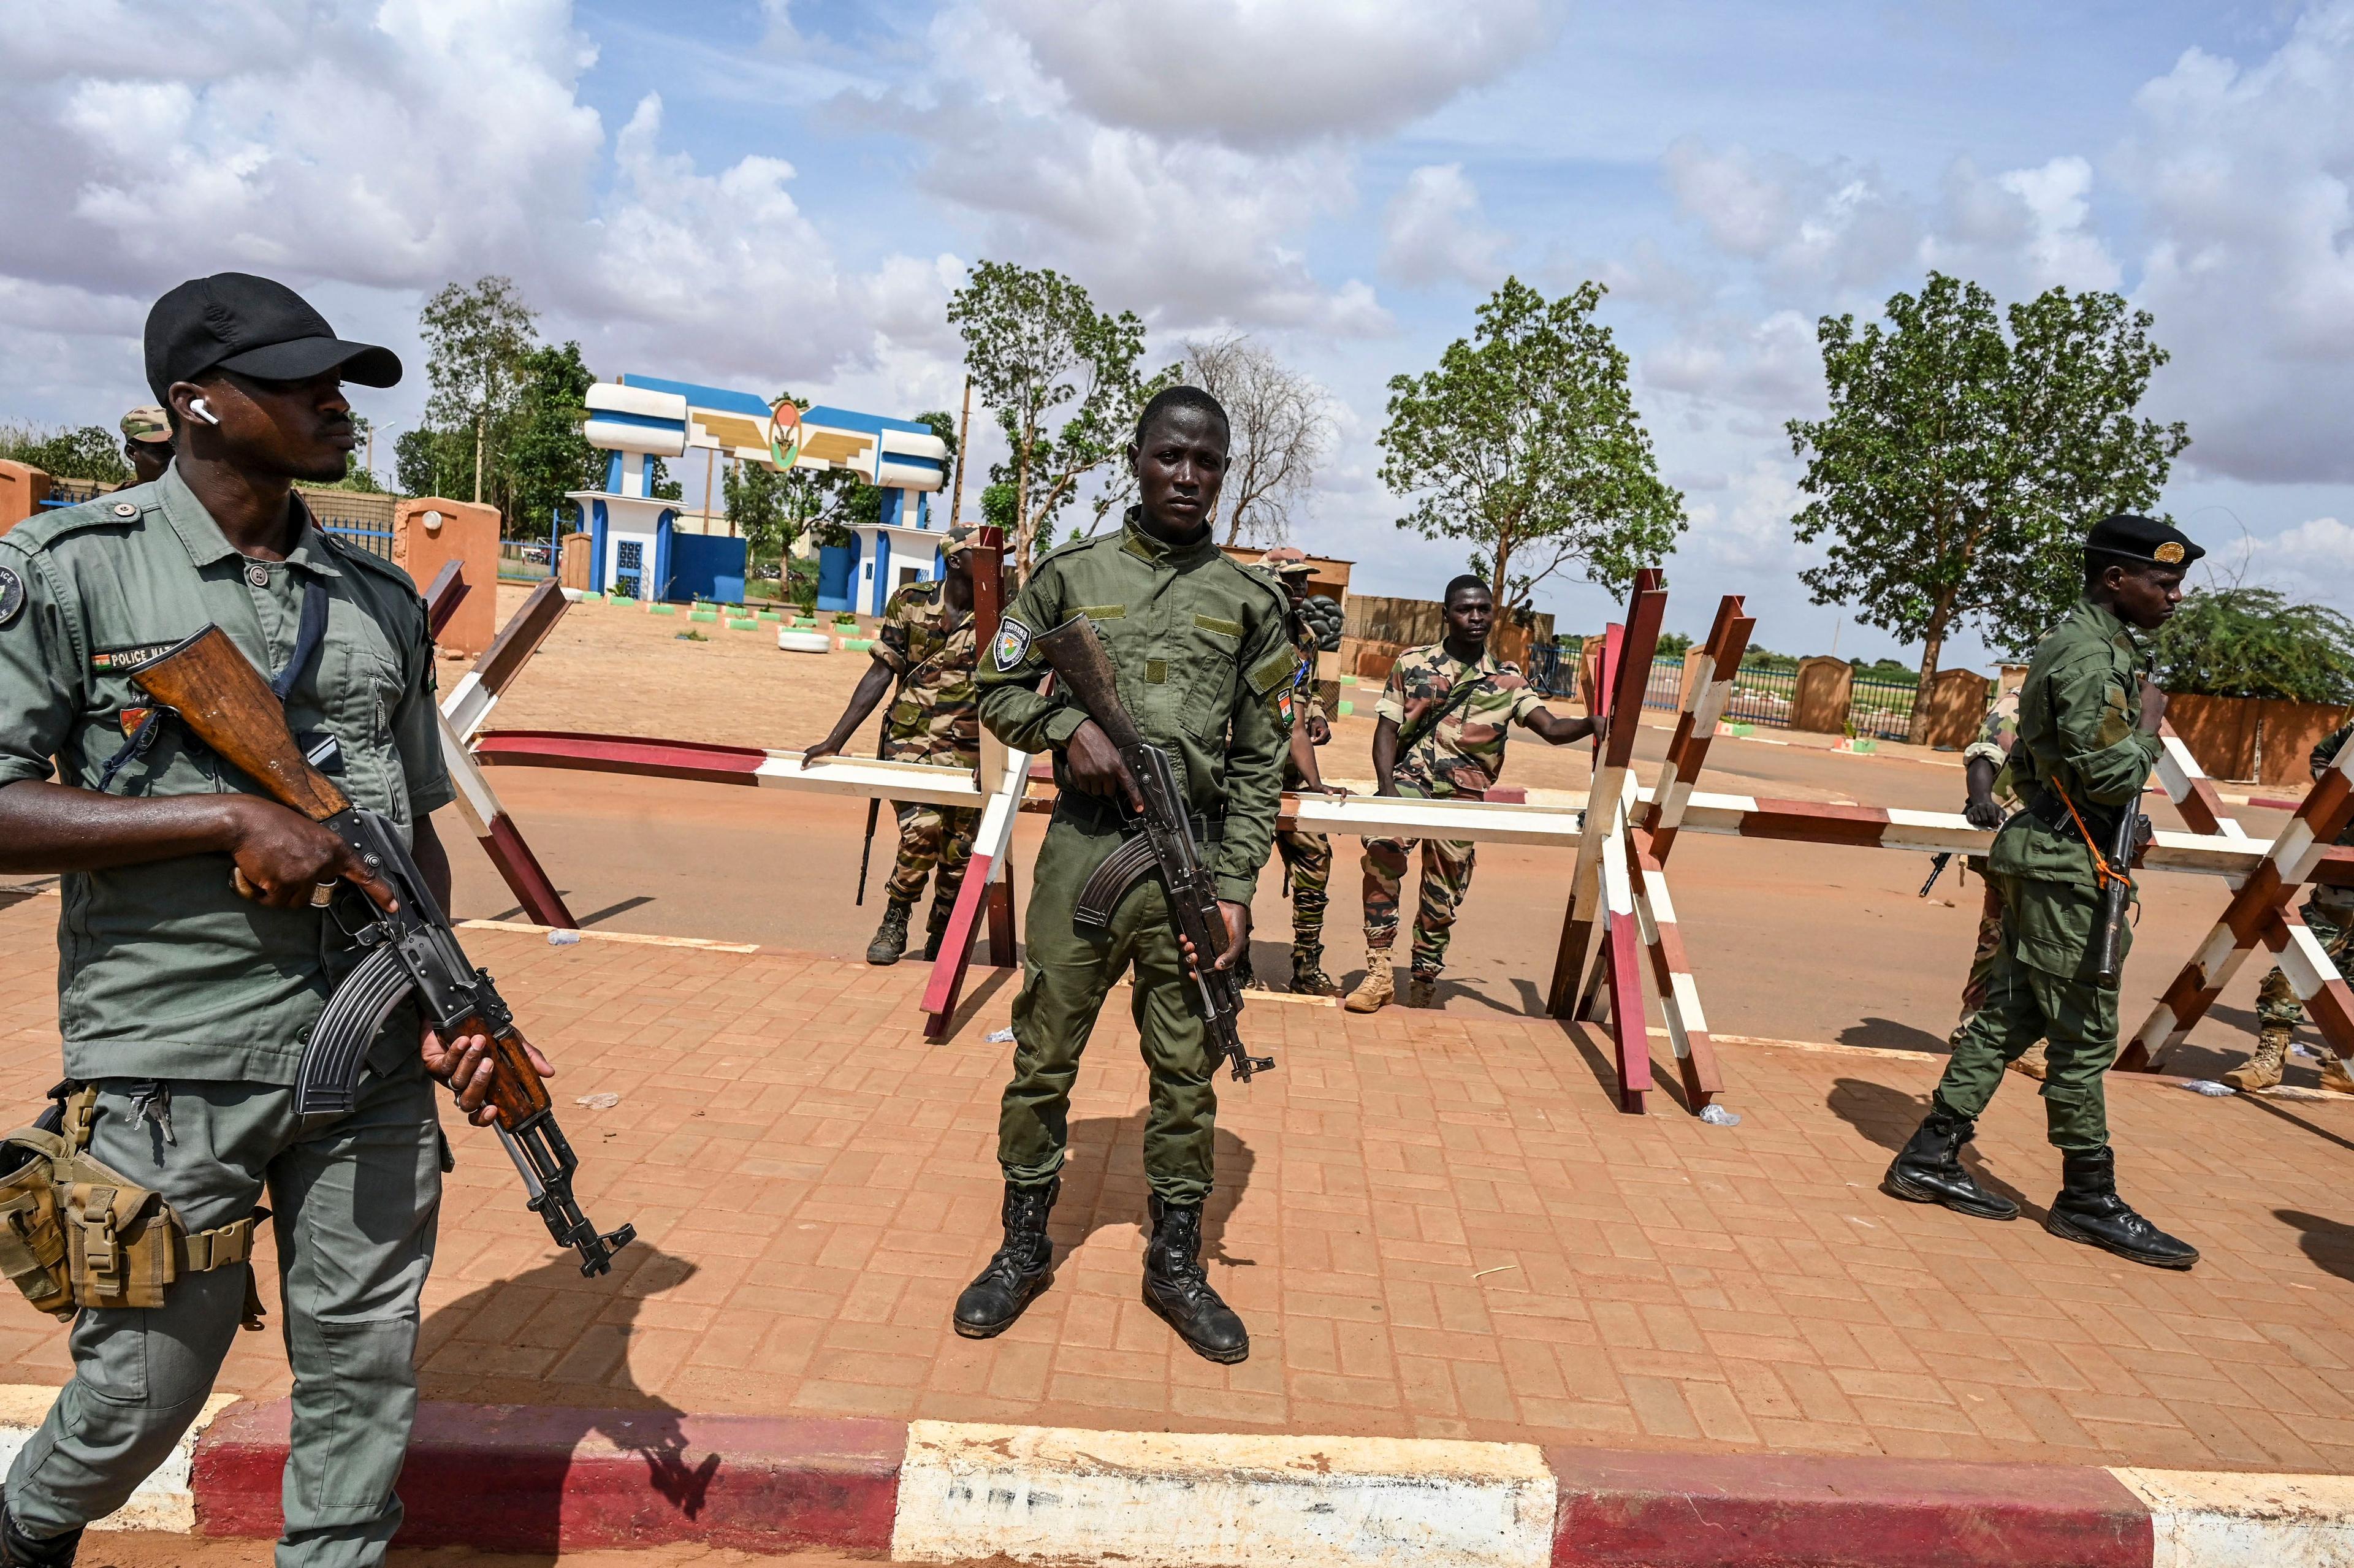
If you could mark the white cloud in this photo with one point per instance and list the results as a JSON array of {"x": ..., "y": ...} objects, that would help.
[
  {"x": 1271, "y": 73},
  {"x": 1805, "y": 224},
  {"x": 2243, "y": 173},
  {"x": 1434, "y": 231},
  {"x": 2313, "y": 560},
  {"x": 1771, "y": 367},
  {"x": 2023, "y": 231},
  {"x": 1749, "y": 531}
]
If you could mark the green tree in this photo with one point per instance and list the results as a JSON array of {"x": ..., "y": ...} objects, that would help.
[
  {"x": 2253, "y": 642},
  {"x": 1036, "y": 343},
  {"x": 89, "y": 452},
  {"x": 477, "y": 343},
  {"x": 1960, "y": 464},
  {"x": 543, "y": 456},
  {"x": 1525, "y": 445},
  {"x": 428, "y": 461}
]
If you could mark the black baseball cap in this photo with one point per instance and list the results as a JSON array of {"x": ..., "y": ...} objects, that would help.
[
  {"x": 2132, "y": 537},
  {"x": 235, "y": 320}
]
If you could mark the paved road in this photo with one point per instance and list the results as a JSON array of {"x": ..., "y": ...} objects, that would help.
[{"x": 142, "y": 1551}]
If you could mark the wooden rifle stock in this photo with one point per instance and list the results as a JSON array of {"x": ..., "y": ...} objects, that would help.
[
  {"x": 1075, "y": 650},
  {"x": 224, "y": 701}
]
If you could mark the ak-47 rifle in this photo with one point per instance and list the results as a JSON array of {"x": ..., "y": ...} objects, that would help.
[
  {"x": 1083, "y": 667},
  {"x": 220, "y": 695},
  {"x": 2116, "y": 893}
]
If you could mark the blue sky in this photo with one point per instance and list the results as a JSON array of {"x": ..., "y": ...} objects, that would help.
[{"x": 773, "y": 197}]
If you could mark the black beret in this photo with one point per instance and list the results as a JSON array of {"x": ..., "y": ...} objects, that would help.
[{"x": 2131, "y": 537}]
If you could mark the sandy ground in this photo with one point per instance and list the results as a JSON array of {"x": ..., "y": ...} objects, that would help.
[{"x": 1789, "y": 941}]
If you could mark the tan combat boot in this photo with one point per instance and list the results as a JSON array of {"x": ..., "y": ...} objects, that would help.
[
  {"x": 2263, "y": 1070},
  {"x": 1377, "y": 990},
  {"x": 2334, "y": 1076},
  {"x": 1421, "y": 990},
  {"x": 2032, "y": 1062}
]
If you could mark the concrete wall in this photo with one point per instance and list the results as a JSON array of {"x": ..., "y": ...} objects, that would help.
[
  {"x": 427, "y": 534},
  {"x": 22, "y": 488}
]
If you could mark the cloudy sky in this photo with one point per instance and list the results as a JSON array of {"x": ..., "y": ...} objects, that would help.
[{"x": 773, "y": 197}]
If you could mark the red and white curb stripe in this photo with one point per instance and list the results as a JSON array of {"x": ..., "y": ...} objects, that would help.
[{"x": 546, "y": 1478}]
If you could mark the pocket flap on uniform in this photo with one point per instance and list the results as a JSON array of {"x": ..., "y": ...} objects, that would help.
[{"x": 1274, "y": 670}]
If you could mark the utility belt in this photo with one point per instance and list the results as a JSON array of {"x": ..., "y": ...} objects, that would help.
[
  {"x": 75, "y": 1233},
  {"x": 2050, "y": 808}
]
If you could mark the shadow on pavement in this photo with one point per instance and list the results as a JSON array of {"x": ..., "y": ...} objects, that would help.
[
  {"x": 1103, "y": 1184},
  {"x": 587, "y": 1324},
  {"x": 1887, "y": 1115},
  {"x": 1887, "y": 1034},
  {"x": 2328, "y": 1243}
]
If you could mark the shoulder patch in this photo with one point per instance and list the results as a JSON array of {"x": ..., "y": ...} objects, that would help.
[
  {"x": 12, "y": 597},
  {"x": 1275, "y": 670},
  {"x": 1010, "y": 646}
]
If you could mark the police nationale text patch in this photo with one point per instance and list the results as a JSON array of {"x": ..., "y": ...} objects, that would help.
[
  {"x": 107, "y": 658},
  {"x": 12, "y": 596},
  {"x": 1012, "y": 645}
]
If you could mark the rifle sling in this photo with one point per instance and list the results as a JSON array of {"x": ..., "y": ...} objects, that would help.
[
  {"x": 308, "y": 635},
  {"x": 1456, "y": 696}
]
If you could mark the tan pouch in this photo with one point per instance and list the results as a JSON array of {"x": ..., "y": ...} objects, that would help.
[{"x": 79, "y": 1233}]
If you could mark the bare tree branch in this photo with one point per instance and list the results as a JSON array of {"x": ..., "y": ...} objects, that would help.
[{"x": 1282, "y": 427}]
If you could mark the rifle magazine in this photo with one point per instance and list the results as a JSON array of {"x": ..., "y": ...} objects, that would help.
[{"x": 327, "y": 1082}]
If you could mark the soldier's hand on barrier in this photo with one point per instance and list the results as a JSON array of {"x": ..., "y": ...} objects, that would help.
[
  {"x": 1096, "y": 767},
  {"x": 1325, "y": 788},
  {"x": 1985, "y": 814},
  {"x": 1239, "y": 928},
  {"x": 2153, "y": 706},
  {"x": 281, "y": 857},
  {"x": 822, "y": 748}
]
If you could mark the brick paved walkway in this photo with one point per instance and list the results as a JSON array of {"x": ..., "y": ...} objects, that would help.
[{"x": 1435, "y": 1225}]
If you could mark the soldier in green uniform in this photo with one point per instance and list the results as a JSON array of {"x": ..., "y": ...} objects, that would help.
[
  {"x": 1442, "y": 718},
  {"x": 2329, "y": 914},
  {"x": 1307, "y": 857},
  {"x": 926, "y": 647},
  {"x": 2088, "y": 718},
  {"x": 195, "y": 953},
  {"x": 147, "y": 443},
  {"x": 1203, "y": 648}
]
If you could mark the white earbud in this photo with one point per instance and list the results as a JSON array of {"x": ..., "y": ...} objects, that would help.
[{"x": 197, "y": 406}]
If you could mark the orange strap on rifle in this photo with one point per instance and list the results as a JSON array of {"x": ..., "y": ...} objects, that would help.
[{"x": 2101, "y": 866}]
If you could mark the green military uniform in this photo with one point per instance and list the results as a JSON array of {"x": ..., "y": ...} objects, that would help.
[
  {"x": 1205, "y": 663},
  {"x": 935, "y": 718},
  {"x": 1461, "y": 756},
  {"x": 1308, "y": 857},
  {"x": 189, "y": 1006},
  {"x": 2078, "y": 739},
  {"x": 2328, "y": 912}
]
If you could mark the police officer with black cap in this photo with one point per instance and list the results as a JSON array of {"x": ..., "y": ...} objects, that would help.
[
  {"x": 2088, "y": 718},
  {"x": 196, "y": 952}
]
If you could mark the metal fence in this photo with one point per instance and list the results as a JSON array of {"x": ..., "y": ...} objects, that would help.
[
  {"x": 73, "y": 492},
  {"x": 1881, "y": 710},
  {"x": 374, "y": 541},
  {"x": 523, "y": 561},
  {"x": 1664, "y": 686},
  {"x": 1762, "y": 696}
]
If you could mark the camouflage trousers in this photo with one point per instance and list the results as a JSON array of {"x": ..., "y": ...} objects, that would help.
[
  {"x": 1976, "y": 989},
  {"x": 931, "y": 836},
  {"x": 2276, "y": 1004},
  {"x": 1308, "y": 858},
  {"x": 1446, "y": 878}
]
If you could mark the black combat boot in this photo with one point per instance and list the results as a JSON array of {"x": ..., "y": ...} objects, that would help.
[
  {"x": 2088, "y": 1209},
  {"x": 1175, "y": 1286},
  {"x": 18, "y": 1550},
  {"x": 936, "y": 927},
  {"x": 891, "y": 937},
  {"x": 1929, "y": 1169},
  {"x": 1019, "y": 1271}
]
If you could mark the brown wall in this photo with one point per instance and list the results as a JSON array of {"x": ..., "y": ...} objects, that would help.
[
  {"x": 2226, "y": 733},
  {"x": 469, "y": 535},
  {"x": 1413, "y": 623},
  {"x": 1825, "y": 688},
  {"x": 1953, "y": 710},
  {"x": 22, "y": 488}
]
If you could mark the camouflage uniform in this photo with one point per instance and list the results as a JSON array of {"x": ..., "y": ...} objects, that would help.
[
  {"x": 1462, "y": 755},
  {"x": 935, "y": 718},
  {"x": 1307, "y": 856},
  {"x": 2328, "y": 912}
]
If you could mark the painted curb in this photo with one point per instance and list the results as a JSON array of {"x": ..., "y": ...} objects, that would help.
[{"x": 537, "y": 1477}]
